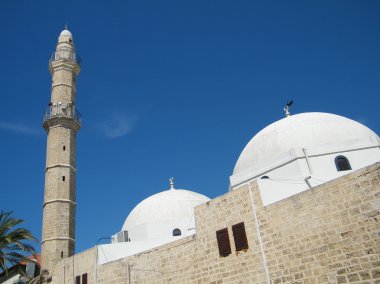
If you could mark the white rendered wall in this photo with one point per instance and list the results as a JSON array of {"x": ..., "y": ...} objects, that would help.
[
  {"x": 287, "y": 176},
  {"x": 115, "y": 251},
  {"x": 163, "y": 229},
  {"x": 286, "y": 181},
  {"x": 324, "y": 165}
]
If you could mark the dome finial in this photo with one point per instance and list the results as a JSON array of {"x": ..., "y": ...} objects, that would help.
[
  {"x": 171, "y": 182},
  {"x": 66, "y": 27},
  {"x": 286, "y": 108}
]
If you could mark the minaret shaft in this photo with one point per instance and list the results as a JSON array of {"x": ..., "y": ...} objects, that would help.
[{"x": 61, "y": 123}]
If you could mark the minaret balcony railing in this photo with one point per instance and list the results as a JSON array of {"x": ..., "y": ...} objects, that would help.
[
  {"x": 65, "y": 55},
  {"x": 63, "y": 110}
]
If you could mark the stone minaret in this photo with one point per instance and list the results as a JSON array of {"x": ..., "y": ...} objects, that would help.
[{"x": 61, "y": 122}]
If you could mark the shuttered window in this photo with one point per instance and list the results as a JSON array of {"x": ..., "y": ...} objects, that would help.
[
  {"x": 240, "y": 237},
  {"x": 223, "y": 242},
  {"x": 84, "y": 278},
  {"x": 77, "y": 280}
]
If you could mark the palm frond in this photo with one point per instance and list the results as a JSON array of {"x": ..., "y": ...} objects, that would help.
[{"x": 13, "y": 241}]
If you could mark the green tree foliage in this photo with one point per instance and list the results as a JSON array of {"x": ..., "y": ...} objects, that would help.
[{"x": 13, "y": 241}]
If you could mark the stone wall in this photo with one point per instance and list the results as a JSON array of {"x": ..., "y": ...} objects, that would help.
[
  {"x": 326, "y": 234},
  {"x": 329, "y": 234},
  {"x": 68, "y": 269}
]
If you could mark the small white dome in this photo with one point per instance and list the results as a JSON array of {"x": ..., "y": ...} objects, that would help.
[
  {"x": 158, "y": 215},
  {"x": 300, "y": 130},
  {"x": 66, "y": 33}
]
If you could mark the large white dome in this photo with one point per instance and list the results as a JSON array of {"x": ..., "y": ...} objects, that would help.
[
  {"x": 299, "y": 131},
  {"x": 158, "y": 215}
]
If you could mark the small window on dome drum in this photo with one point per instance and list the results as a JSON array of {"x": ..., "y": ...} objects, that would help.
[
  {"x": 240, "y": 237},
  {"x": 342, "y": 164},
  {"x": 223, "y": 242},
  {"x": 177, "y": 232}
]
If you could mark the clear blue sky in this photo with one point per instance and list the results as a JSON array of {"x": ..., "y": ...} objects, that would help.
[{"x": 173, "y": 88}]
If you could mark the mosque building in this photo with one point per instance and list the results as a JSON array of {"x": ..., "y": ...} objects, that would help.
[{"x": 303, "y": 207}]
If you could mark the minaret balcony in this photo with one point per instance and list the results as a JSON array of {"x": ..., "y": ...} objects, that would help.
[
  {"x": 65, "y": 55},
  {"x": 61, "y": 109}
]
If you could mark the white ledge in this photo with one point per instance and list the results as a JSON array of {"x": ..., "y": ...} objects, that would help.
[
  {"x": 59, "y": 200},
  {"x": 60, "y": 165},
  {"x": 58, "y": 238}
]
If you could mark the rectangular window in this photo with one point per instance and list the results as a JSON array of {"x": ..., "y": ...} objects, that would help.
[
  {"x": 240, "y": 237},
  {"x": 63, "y": 178},
  {"x": 77, "y": 280},
  {"x": 84, "y": 278},
  {"x": 223, "y": 242}
]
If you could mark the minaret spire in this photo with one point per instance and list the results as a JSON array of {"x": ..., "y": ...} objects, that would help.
[
  {"x": 287, "y": 107},
  {"x": 62, "y": 122},
  {"x": 171, "y": 182}
]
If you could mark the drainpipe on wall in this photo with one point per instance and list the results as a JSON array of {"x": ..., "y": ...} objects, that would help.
[
  {"x": 306, "y": 179},
  {"x": 64, "y": 272},
  {"x": 258, "y": 233},
  {"x": 307, "y": 160},
  {"x": 129, "y": 273},
  {"x": 97, "y": 256},
  {"x": 96, "y": 264},
  {"x": 73, "y": 268}
]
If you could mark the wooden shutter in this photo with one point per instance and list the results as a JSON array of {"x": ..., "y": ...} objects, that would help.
[
  {"x": 223, "y": 242},
  {"x": 84, "y": 278},
  {"x": 240, "y": 237},
  {"x": 77, "y": 280}
]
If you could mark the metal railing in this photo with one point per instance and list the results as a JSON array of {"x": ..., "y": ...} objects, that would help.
[
  {"x": 65, "y": 55},
  {"x": 63, "y": 109}
]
